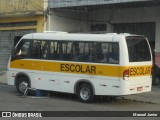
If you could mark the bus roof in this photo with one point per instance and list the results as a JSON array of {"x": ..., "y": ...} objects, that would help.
[{"x": 75, "y": 36}]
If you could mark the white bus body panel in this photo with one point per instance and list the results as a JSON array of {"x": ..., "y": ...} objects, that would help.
[{"x": 103, "y": 85}]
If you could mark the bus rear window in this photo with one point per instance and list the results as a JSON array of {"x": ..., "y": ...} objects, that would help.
[{"x": 138, "y": 49}]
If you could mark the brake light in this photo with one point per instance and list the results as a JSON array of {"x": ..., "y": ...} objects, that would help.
[{"x": 125, "y": 74}]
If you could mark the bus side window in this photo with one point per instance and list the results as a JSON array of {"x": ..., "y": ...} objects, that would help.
[
  {"x": 36, "y": 49},
  {"x": 88, "y": 52},
  {"x": 105, "y": 47},
  {"x": 66, "y": 51},
  {"x": 75, "y": 51},
  {"x": 81, "y": 56},
  {"x": 99, "y": 52},
  {"x": 113, "y": 53},
  {"x": 92, "y": 52},
  {"x": 45, "y": 50},
  {"x": 23, "y": 49},
  {"x": 54, "y": 50}
]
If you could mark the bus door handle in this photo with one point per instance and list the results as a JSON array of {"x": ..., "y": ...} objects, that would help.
[
  {"x": 67, "y": 81},
  {"x": 52, "y": 80},
  {"x": 103, "y": 85}
]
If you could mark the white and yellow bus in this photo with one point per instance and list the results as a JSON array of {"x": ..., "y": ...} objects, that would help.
[{"x": 82, "y": 64}]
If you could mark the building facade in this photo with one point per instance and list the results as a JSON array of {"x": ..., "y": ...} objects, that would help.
[
  {"x": 18, "y": 17},
  {"x": 119, "y": 16}
]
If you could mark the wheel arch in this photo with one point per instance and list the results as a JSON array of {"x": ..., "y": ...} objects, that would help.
[
  {"x": 20, "y": 75},
  {"x": 83, "y": 81}
]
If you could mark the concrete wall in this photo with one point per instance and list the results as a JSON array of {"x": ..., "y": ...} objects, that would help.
[
  {"x": 68, "y": 20},
  {"x": 80, "y": 21},
  {"x": 71, "y": 3},
  {"x": 18, "y": 17},
  {"x": 129, "y": 15},
  {"x": 157, "y": 45},
  {"x": 7, "y": 43},
  {"x": 11, "y": 27},
  {"x": 126, "y": 15}
]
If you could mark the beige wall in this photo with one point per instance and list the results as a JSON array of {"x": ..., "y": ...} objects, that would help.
[
  {"x": 14, "y": 11},
  {"x": 68, "y": 20},
  {"x": 20, "y": 6}
]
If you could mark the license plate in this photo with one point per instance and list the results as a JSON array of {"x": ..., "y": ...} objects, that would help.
[{"x": 139, "y": 88}]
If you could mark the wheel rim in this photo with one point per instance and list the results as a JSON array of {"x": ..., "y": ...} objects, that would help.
[
  {"x": 85, "y": 93},
  {"x": 23, "y": 86}
]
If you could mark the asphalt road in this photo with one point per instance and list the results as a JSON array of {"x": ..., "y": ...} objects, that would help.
[{"x": 9, "y": 101}]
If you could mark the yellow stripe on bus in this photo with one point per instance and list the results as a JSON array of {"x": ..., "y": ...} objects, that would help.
[
  {"x": 79, "y": 68},
  {"x": 140, "y": 71}
]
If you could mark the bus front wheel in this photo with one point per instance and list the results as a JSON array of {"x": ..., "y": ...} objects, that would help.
[
  {"x": 22, "y": 84},
  {"x": 85, "y": 93}
]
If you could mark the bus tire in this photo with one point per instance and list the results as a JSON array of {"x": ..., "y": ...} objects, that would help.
[
  {"x": 85, "y": 93},
  {"x": 22, "y": 84},
  {"x": 157, "y": 80}
]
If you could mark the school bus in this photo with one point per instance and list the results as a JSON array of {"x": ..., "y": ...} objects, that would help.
[{"x": 83, "y": 64}]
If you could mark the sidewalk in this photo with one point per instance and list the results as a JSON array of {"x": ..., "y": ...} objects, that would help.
[
  {"x": 3, "y": 77},
  {"x": 151, "y": 97}
]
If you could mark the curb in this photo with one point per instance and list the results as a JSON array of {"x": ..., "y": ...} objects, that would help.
[
  {"x": 2, "y": 73},
  {"x": 3, "y": 77},
  {"x": 3, "y": 83}
]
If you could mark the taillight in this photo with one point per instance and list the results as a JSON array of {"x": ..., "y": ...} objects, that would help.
[{"x": 125, "y": 74}]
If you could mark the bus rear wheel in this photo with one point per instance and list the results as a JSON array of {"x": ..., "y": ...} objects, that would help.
[
  {"x": 22, "y": 84},
  {"x": 85, "y": 93},
  {"x": 156, "y": 79}
]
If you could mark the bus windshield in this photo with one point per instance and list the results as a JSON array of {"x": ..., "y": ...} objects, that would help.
[{"x": 138, "y": 49}]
